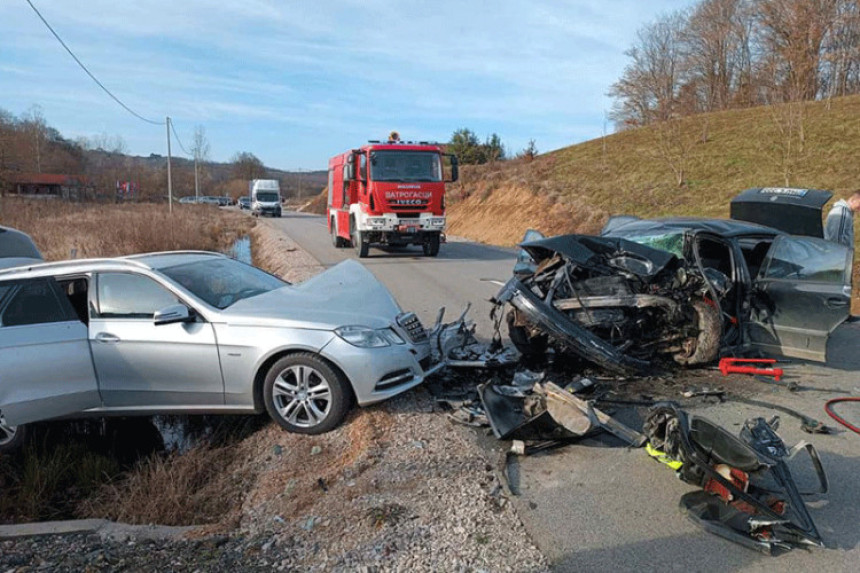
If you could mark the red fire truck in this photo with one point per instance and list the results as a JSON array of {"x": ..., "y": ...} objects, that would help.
[{"x": 389, "y": 193}]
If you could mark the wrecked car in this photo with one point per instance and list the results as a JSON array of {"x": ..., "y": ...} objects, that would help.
[
  {"x": 199, "y": 332},
  {"x": 685, "y": 290}
]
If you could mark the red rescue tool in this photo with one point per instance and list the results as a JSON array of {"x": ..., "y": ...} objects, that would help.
[{"x": 737, "y": 366}]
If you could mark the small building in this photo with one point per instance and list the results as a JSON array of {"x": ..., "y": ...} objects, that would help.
[{"x": 47, "y": 185}]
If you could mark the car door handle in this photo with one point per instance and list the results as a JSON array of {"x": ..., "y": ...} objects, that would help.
[
  {"x": 834, "y": 302},
  {"x": 107, "y": 338}
]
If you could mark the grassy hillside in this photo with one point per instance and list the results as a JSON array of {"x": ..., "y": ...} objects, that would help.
[{"x": 637, "y": 172}]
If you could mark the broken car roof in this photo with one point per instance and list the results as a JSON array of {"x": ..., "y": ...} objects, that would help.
[{"x": 722, "y": 227}]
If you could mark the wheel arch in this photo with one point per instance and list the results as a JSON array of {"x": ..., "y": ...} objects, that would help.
[{"x": 269, "y": 361}]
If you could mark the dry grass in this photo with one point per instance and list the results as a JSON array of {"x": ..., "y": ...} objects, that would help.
[
  {"x": 196, "y": 487},
  {"x": 64, "y": 230}
]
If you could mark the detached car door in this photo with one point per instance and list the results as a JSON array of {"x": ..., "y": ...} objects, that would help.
[
  {"x": 802, "y": 293},
  {"x": 144, "y": 365},
  {"x": 46, "y": 370}
]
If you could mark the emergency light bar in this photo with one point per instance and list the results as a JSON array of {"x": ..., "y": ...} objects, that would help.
[{"x": 405, "y": 142}]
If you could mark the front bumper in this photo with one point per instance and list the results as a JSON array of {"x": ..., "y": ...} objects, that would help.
[
  {"x": 267, "y": 209},
  {"x": 380, "y": 373},
  {"x": 393, "y": 223},
  {"x": 576, "y": 338}
]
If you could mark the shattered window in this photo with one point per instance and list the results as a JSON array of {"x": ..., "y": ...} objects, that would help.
[
  {"x": 809, "y": 259},
  {"x": 669, "y": 242},
  {"x": 34, "y": 303}
]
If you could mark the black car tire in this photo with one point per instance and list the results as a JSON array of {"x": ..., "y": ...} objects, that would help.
[
  {"x": 431, "y": 245},
  {"x": 707, "y": 344},
  {"x": 360, "y": 243},
  {"x": 11, "y": 437},
  {"x": 277, "y": 397},
  {"x": 336, "y": 240}
]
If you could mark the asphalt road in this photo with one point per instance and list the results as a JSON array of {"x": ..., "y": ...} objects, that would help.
[
  {"x": 602, "y": 507},
  {"x": 460, "y": 274}
]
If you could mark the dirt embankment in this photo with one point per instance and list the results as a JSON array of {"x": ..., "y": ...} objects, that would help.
[
  {"x": 317, "y": 205},
  {"x": 503, "y": 216}
]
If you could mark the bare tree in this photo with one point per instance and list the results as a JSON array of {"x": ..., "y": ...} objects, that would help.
[
  {"x": 247, "y": 166},
  {"x": 716, "y": 51},
  {"x": 791, "y": 36},
  {"x": 786, "y": 144},
  {"x": 35, "y": 127},
  {"x": 841, "y": 51},
  {"x": 649, "y": 85},
  {"x": 200, "y": 152},
  {"x": 200, "y": 144},
  {"x": 674, "y": 142}
]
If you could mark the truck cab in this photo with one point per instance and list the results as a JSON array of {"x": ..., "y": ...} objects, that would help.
[{"x": 390, "y": 193}]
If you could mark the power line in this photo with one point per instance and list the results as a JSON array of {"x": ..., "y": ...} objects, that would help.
[
  {"x": 179, "y": 141},
  {"x": 83, "y": 67}
]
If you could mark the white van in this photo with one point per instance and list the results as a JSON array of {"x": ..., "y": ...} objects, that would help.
[{"x": 265, "y": 197}]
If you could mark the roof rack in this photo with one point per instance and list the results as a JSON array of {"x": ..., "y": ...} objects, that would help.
[
  {"x": 124, "y": 260},
  {"x": 185, "y": 252},
  {"x": 70, "y": 262}
]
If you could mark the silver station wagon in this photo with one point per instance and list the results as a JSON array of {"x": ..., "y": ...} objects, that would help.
[{"x": 198, "y": 332}]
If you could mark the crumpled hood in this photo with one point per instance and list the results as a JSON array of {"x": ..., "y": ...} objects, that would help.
[
  {"x": 591, "y": 251},
  {"x": 346, "y": 294}
]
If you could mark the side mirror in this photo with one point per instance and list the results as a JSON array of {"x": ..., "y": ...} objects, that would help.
[
  {"x": 455, "y": 168},
  {"x": 171, "y": 314},
  {"x": 349, "y": 172}
]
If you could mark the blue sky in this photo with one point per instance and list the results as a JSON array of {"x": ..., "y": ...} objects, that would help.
[{"x": 297, "y": 82}]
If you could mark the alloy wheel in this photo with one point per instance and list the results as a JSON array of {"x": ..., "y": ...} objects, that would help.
[{"x": 302, "y": 396}]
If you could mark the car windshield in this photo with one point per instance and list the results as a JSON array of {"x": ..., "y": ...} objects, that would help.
[
  {"x": 222, "y": 282},
  {"x": 671, "y": 242},
  {"x": 405, "y": 166},
  {"x": 267, "y": 197}
]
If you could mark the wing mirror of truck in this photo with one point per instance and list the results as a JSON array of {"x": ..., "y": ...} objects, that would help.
[
  {"x": 455, "y": 167},
  {"x": 349, "y": 172}
]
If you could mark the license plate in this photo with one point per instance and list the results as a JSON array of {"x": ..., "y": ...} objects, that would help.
[{"x": 411, "y": 229}]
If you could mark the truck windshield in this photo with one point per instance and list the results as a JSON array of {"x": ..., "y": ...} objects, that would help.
[
  {"x": 267, "y": 197},
  {"x": 405, "y": 166}
]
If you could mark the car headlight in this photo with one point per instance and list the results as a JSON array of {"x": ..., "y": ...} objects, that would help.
[
  {"x": 437, "y": 222},
  {"x": 376, "y": 221},
  {"x": 364, "y": 337}
]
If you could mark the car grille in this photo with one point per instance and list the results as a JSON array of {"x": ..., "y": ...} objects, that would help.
[{"x": 409, "y": 321}]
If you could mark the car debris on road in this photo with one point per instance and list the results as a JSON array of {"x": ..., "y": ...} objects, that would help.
[{"x": 748, "y": 494}]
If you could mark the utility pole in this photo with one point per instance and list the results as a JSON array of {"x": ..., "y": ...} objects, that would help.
[
  {"x": 169, "y": 179},
  {"x": 196, "y": 185}
]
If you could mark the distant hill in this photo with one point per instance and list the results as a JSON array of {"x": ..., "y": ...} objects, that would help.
[{"x": 693, "y": 166}]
